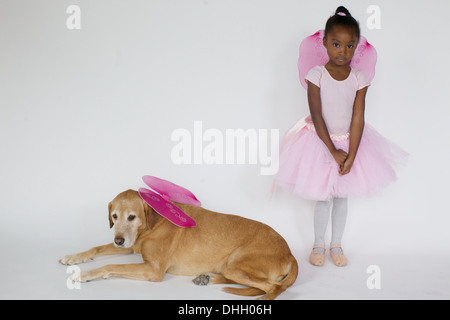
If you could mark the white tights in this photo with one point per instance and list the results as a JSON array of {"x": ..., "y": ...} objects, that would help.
[{"x": 338, "y": 218}]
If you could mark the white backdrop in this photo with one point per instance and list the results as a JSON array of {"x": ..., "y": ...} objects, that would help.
[{"x": 84, "y": 114}]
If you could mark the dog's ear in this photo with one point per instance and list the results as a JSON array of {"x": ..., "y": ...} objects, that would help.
[
  {"x": 111, "y": 222},
  {"x": 151, "y": 215}
]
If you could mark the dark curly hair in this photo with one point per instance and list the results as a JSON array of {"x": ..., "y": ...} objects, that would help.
[{"x": 342, "y": 19}]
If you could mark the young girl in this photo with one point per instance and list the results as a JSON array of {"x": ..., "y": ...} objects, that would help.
[{"x": 332, "y": 154}]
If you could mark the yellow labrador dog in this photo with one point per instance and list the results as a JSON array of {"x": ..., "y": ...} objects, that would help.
[{"x": 222, "y": 248}]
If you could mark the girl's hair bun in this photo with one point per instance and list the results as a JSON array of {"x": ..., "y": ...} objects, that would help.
[
  {"x": 342, "y": 17},
  {"x": 342, "y": 10}
]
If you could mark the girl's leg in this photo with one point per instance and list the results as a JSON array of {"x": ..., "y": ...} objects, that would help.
[
  {"x": 338, "y": 219},
  {"x": 321, "y": 216}
]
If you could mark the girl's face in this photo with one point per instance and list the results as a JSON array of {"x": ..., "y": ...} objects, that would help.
[{"x": 341, "y": 42}]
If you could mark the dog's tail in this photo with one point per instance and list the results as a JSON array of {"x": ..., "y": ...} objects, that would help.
[{"x": 244, "y": 291}]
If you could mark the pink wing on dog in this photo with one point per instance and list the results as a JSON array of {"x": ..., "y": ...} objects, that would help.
[
  {"x": 167, "y": 209},
  {"x": 160, "y": 202},
  {"x": 173, "y": 191},
  {"x": 312, "y": 53}
]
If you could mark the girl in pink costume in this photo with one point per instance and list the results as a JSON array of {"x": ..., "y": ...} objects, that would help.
[{"x": 332, "y": 154}]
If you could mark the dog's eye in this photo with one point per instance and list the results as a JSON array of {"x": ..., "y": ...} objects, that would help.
[
  {"x": 131, "y": 217},
  {"x": 114, "y": 216}
]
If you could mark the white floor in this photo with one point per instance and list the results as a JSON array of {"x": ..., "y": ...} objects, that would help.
[{"x": 33, "y": 272}]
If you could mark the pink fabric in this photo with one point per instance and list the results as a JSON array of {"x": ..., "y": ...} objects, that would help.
[
  {"x": 337, "y": 97},
  {"x": 159, "y": 200},
  {"x": 313, "y": 53},
  {"x": 171, "y": 191},
  {"x": 307, "y": 167}
]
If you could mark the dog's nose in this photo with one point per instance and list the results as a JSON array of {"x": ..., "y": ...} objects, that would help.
[{"x": 119, "y": 241}]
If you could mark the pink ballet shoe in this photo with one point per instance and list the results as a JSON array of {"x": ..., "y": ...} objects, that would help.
[
  {"x": 317, "y": 259},
  {"x": 338, "y": 259}
]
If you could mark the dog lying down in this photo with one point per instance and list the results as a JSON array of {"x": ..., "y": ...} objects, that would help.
[{"x": 222, "y": 248}]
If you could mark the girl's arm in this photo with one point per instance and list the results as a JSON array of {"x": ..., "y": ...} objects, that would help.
[
  {"x": 356, "y": 129},
  {"x": 315, "y": 107}
]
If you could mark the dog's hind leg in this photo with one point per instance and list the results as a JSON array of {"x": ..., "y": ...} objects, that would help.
[
  {"x": 217, "y": 278},
  {"x": 243, "y": 272},
  {"x": 248, "y": 277}
]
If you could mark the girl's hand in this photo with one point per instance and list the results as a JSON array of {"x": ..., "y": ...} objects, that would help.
[
  {"x": 340, "y": 156},
  {"x": 344, "y": 169}
]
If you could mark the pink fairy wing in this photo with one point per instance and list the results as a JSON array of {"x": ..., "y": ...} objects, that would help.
[
  {"x": 365, "y": 58},
  {"x": 171, "y": 190},
  {"x": 312, "y": 53},
  {"x": 167, "y": 209}
]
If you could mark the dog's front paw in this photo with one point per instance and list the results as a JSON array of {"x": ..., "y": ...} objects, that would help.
[
  {"x": 74, "y": 259},
  {"x": 80, "y": 276},
  {"x": 85, "y": 276}
]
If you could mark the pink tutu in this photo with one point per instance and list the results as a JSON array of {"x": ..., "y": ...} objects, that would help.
[{"x": 308, "y": 169}]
